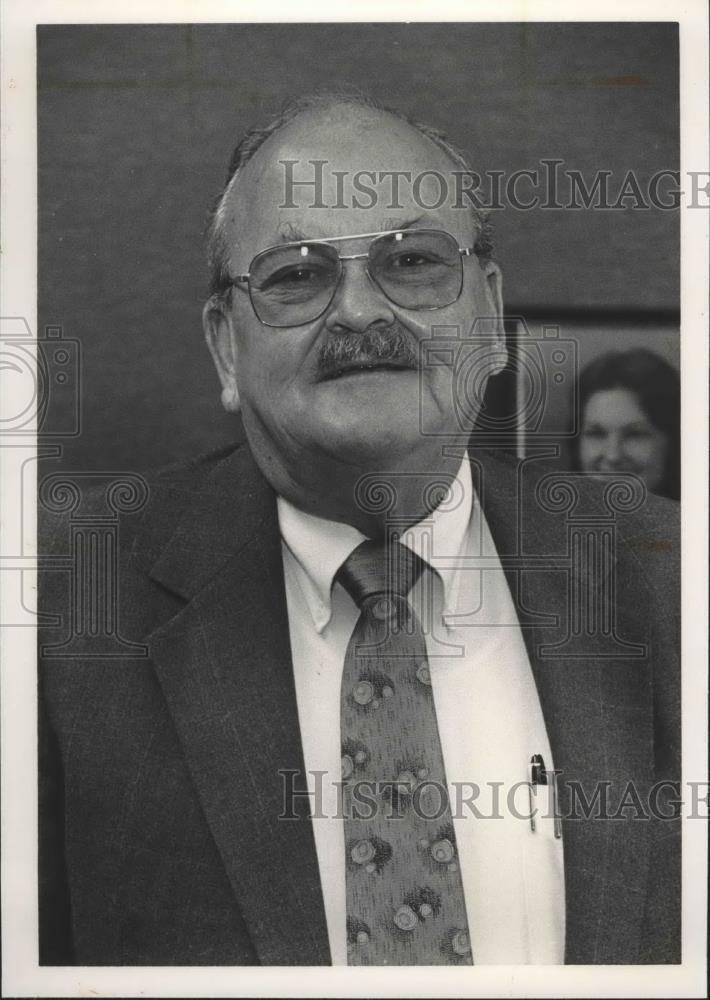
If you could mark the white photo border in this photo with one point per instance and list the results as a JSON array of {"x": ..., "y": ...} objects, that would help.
[{"x": 22, "y": 976}]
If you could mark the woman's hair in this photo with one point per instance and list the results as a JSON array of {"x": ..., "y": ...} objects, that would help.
[{"x": 655, "y": 384}]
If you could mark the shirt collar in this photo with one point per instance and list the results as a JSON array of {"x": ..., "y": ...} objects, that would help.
[{"x": 320, "y": 547}]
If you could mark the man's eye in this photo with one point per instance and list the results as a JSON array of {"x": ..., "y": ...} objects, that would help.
[
  {"x": 412, "y": 259},
  {"x": 292, "y": 277}
]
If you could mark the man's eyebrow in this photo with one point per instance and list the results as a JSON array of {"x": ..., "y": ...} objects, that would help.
[
  {"x": 288, "y": 233},
  {"x": 390, "y": 224}
]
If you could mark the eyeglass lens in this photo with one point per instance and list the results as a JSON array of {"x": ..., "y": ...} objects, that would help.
[{"x": 295, "y": 283}]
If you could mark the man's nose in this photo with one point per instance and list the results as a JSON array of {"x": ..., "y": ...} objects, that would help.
[{"x": 358, "y": 303}]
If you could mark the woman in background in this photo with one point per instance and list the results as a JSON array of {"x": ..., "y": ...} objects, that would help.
[{"x": 630, "y": 419}]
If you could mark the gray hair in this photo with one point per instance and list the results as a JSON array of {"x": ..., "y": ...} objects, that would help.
[{"x": 218, "y": 247}]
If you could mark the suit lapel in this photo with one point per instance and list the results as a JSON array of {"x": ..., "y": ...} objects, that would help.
[
  {"x": 224, "y": 664},
  {"x": 598, "y": 713}
]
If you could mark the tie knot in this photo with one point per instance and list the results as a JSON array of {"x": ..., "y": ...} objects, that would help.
[{"x": 379, "y": 568}]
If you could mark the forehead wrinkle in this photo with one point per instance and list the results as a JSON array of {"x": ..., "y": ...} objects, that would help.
[
  {"x": 289, "y": 232},
  {"x": 312, "y": 126},
  {"x": 303, "y": 139}
]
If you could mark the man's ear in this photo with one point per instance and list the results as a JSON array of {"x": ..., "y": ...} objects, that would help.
[
  {"x": 494, "y": 281},
  {"x": 219, "y": 335}
]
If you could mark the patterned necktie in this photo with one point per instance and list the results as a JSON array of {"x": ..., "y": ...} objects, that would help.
[{"x": 404, "y": 896}]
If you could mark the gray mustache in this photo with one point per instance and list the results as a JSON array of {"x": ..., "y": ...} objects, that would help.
[{"x": 371, "y": 347}]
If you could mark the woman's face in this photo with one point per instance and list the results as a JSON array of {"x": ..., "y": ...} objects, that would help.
[{"x": 617, "y": 436}]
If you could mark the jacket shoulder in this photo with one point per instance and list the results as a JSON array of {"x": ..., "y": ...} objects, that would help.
[
  {"x": 148, "y": 502},
  {"x": 545, "y": 497}
]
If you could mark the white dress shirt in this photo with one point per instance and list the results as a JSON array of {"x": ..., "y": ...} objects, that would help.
[{"x": 487, "y": 709}]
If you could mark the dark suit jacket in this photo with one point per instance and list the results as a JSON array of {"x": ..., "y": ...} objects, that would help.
[{"x": 160, "y": 785}]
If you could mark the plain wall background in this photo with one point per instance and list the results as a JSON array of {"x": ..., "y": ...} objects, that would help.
[{"x": 137, "y": 123}]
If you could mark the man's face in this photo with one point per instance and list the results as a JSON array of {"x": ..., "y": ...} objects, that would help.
[{"x": 347, "y": 385}]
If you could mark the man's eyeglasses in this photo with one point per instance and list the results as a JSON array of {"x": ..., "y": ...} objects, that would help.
[{"x": 294, "y": 283}]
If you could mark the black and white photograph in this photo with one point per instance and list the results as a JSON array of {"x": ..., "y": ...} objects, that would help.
[{"x": 356, "y": 627}]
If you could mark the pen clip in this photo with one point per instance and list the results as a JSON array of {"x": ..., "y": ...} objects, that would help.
[
  {"x": 539, "y": 775},
  {"x": 532, "y": 782},
  {"x": 537, "y": 770}
]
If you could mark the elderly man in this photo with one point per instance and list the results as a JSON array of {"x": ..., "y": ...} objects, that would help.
[{"x": 369, "y": 728}]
